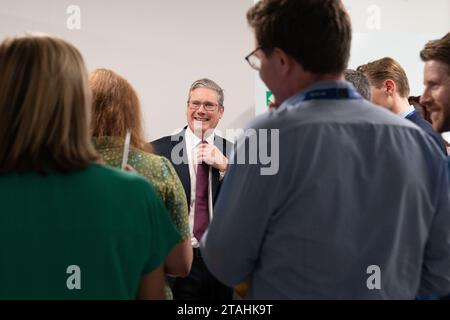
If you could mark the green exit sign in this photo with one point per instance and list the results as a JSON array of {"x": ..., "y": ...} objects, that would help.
[{"x": 269, "y": 98}]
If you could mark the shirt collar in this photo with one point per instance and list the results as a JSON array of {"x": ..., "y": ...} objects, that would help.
[
  {"x": 328, "y": 84},
  {"x": 407, "y": 112},
  {"x": 192, "y": 141}
]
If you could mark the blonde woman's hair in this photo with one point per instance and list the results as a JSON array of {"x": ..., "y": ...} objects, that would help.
[{"x": 44, "y": 106}]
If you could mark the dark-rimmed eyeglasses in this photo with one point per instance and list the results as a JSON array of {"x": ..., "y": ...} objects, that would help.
[
  {"x": 209, "y": 106},
  {"x": 253, "y": 60}
]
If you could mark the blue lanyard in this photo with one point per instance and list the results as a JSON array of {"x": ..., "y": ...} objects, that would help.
[{"x": 331, "y": 94}]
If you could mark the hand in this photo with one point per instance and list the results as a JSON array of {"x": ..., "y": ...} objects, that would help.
[
  {"x": 129, "y": 168},
  {"x": 212, "y": 156}
]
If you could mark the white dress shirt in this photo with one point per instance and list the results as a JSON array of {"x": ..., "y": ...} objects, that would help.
[{"x": 192, "y": 143}]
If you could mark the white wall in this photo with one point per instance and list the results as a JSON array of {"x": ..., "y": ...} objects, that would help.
[
  {"x": 160, "y": 46},
  {"x": 396, "y": 28},
  {"x": 399, "y": 29}
]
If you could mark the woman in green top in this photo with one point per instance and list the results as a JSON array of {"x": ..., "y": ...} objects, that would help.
[
  {"x": 69, "y": 228},
  {"x": 116, "y": 108}
]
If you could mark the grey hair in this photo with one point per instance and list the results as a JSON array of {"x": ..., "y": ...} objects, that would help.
[
  {"x": 360, "y": 82},
  {"x": 208, "y": 84}
]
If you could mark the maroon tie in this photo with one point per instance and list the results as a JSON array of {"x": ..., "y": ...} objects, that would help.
[{"x": 201, "y": 217}]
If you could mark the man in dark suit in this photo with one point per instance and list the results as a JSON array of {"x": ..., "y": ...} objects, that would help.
[
  {"x": 200, "y": 158},
  {"x": 390, "y": 89}
]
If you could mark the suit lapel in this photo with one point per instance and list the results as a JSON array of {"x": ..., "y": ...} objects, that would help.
[{"x": 183, "y": 168}]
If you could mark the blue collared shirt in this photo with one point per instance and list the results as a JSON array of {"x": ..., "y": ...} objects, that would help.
[
  {"x": 358, "y": 188},
  {"x": 405, "y": 113}
]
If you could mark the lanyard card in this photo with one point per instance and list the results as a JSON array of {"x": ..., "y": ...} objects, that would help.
[{"x": 126, "y": 149}]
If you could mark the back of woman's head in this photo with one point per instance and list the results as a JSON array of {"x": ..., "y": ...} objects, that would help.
[
  {"x": 44, "y": 106},
  {"x": 115, "y": 108}
]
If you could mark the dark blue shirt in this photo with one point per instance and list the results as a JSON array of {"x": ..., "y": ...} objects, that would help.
[{"x": 428, "y": 128}]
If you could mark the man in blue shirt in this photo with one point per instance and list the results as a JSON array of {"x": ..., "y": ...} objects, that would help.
[{"x": 344, "y": 216}]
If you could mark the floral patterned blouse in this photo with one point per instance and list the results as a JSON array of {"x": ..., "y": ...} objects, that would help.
[{"x": 162, "y": 175}]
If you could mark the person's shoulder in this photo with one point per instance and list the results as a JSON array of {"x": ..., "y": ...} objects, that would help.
[
  {"x": 168, "y": 139},
  {"x": 162, "y": 140},
  {"x": 428, "y": 128},
  {"x": 164, "y": 145},
  {"x": 416, "y": 118},
  {"x": 161, "y": 160},
  {"x": 267, "y": 120},
  {"x": 154, "y": 161},
  {"x": 116, "y": 178},
  {"x": 153, "y": 166}
]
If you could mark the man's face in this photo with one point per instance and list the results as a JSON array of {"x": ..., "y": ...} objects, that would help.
[
  {"x": 266, "y": 71},
  {"x": 270, "y": 74},
  {"x": 202, "y": 118},
  {"x": 436, "y": 96}
]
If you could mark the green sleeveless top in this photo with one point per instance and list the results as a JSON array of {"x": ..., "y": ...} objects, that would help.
[{"x": 89, "y": 234}]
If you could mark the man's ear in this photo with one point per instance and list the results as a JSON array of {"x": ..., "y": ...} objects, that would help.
[
  {"x": 284, "y": 61},
  {"x": 390, "y": 87}
]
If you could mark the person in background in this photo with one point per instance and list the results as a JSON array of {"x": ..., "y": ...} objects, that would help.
[
  {"x": 415, "y": 102},
  {"x": 200, "y": 157},
  {"x": 116, "y": 108},
  {"x": 436, "y": 95},
  {"x": 390, "y": 89},
  {"x": 345, "y": 216},
  {"x": 360, "y": 82},
  {"x": 70, "y": 228}
]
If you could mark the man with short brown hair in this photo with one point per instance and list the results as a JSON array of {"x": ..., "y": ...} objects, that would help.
[
  {"x": 436, "y": 96},
  {"x": 390, "y": 89},
  {"x": 344, "y": 208}
]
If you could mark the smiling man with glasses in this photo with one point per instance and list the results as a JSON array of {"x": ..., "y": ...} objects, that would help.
[{"x": 200, "y": 158}]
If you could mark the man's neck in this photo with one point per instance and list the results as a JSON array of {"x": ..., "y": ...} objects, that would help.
[
  {"x": 400, "y": 105},
  {"x": 308, "y": 80},
  {"x": 316, "y": 78}
]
